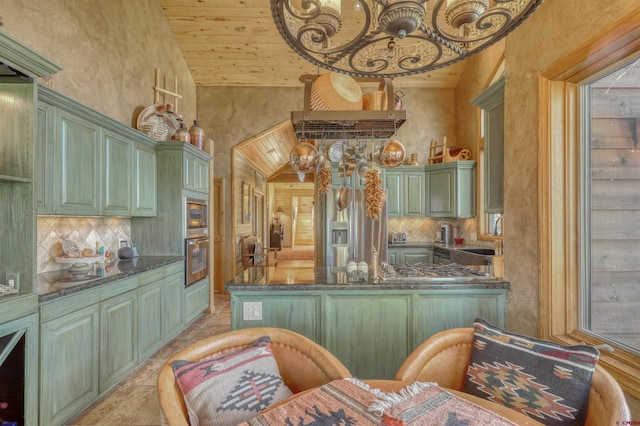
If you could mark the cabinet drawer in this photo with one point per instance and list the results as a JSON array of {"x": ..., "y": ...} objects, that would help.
[
  {"x": 175, "y": 268},
  {"x": 65, "y": 305},
  {"x": 153, "y": 276}
]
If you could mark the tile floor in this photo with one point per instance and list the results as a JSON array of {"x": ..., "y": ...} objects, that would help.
[{"x": 134, "y": 400}]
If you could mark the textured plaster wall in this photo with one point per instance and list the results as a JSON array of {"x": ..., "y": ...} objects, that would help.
[
  {"x": 108, "y": 50},
  {"x": 232, "y": 115},
  {"x": 529, "y": 50}
]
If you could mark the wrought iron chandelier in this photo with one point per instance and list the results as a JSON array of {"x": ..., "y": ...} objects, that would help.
[{"x": 393, "y": 38}]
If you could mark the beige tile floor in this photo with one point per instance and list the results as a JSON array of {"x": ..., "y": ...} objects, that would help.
[{"x": 134, "y": 400}]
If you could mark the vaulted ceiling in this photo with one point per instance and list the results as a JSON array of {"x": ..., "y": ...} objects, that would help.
[{"x": 236, "y": 43}]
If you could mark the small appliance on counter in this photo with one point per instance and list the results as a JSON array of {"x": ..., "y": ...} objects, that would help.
[
  {"x": 445, "y": 231},
  {"x": 398, "y": 238}
]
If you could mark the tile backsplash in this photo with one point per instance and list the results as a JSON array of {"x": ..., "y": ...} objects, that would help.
[
  {"x": 84, "y": 231},
  {"x": 423, "y": 229}
]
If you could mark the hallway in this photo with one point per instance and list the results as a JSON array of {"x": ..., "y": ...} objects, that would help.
[{"x": 134, "y": 401}]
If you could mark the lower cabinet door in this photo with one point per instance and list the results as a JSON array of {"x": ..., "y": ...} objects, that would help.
[
  {"x": 173, "y": 305},
  {"x": 150, "y": 337},
  {"x": 370, "y": 335},
  {"x": 118, "y": 338},
  {"x": 196, "y": 299},
  {"x": 69, "y": 360}
]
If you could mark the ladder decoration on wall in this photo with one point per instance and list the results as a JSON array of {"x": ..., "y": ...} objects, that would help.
[
  {"x": 437, "y": 151},
  {"x": 160, "y": 91}
]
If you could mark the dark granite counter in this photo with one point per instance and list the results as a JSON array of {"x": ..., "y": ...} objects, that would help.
[
  {"x": 52, "y": 285},
  {"x": 335, "y": 278}
]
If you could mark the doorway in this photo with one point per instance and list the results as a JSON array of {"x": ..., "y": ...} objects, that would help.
[{"x": 218, "y": 235}]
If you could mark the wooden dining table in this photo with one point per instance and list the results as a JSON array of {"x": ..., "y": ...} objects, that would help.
[{"x": 389, "y": 386}]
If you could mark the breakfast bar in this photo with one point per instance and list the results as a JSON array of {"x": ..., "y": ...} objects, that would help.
[{"x": 354, "y": 319}]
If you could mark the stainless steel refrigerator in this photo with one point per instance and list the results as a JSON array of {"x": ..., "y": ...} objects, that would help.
[{"x": 349, "y": 234}]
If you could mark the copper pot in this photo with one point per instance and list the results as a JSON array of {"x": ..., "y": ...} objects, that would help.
[
  {"x": 342, "y": 197},
  {"x": 392, "y": 154}
]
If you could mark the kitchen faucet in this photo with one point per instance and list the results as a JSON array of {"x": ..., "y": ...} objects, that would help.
[{"x": 495, "y": 226}]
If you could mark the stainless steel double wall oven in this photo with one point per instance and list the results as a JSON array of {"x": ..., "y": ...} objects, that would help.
[{"x": 197, "y": 241}]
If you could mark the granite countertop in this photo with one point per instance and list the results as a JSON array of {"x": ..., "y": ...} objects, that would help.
[
  {"x": 335, "y": 278},
  {"x": 52, "y": 285}
]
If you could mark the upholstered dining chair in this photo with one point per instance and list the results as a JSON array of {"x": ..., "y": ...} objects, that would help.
[
  {"x": 444, "y": 357},
  {"x": 303, "y": 364}
]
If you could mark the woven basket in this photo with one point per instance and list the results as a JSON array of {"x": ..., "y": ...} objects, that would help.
[{"x": 335, "y": 92}]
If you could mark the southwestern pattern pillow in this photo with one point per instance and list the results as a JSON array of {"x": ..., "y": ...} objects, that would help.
[
  {"x": 231, "y": 388},
  {"x": 544, "y": 380}
]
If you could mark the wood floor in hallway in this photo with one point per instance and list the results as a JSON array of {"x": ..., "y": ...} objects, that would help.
[{"x": 134, "y": 400}]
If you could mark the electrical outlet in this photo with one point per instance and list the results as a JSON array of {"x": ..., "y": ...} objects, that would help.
[
  {"x": 12, "y": 279},
  {"x": 252, "y": 311}
]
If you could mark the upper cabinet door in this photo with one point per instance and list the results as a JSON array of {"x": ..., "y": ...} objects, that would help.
[
  {"x": 78, "y": 159},
  {"x": 144, "y": 180},
  {"x": 116, "y": 191},
  {"x": 492, "y": 102},
  {"x": 44, "y": 158},
  {"x": 414, "y": 193},
  {"x": 441, "y": 198},
  {"x": 393, "y": 182}
]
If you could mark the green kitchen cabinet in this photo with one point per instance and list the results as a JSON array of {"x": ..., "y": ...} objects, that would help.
[
  {"x": 89, "y": 164},
  {"x": 451, "y": 189},
  {"x": 150, "y": 336},
  {"x": 173, "y": 305},
  {"x": 290, "y": 310},
  {"x": 393, "y": 256},
  {"x": 414, "y": 191},
  {"x": 196, "y": 173},
  {"x": 69, "y": 360},
  {"x": 44, "y": 158},
  {"x": 405, "y": 187},
  {"x": 77, "y": 157},
  {"x": 117, "y": 170},
  {"x": 413, "y": 255},
  {"x": 145, "y": 180},
  {"x": 370, "y": 331},
  {"x": 381, "y": 324},
  {"x": 393, "y": 182},
  {"x": 491, "y": 101},
  {"x": 196, "y": 299},
  {"x": 409, "y": 255},
  {"x": 447, "y": 309},
  {"x": 177, "y": 164},
  {"x": 118, "y": 336}
]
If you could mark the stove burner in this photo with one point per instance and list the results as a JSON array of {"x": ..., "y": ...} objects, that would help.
[{"x": 430, "y": 271}]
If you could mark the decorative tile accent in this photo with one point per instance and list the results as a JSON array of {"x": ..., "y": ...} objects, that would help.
[
  {"x": 84, "y": 231},
  {"x": 422, "y": 229}
]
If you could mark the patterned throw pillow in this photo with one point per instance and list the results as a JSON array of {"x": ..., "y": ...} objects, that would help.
[
  {"x": 231, "y": 388},
  {"x": 544, "y": 380}
]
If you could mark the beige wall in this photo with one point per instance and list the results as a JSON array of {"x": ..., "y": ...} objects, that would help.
[{"x": 108, "y": 50}]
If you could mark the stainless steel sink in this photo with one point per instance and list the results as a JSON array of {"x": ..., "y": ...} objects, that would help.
[{"x": 482, "y": 251}]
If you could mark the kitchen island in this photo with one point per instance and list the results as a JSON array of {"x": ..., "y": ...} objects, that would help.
[{"x": 370, "y": 325}]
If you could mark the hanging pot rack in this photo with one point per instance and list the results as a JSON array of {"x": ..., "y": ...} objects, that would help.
[{"x": 369, "y": 124}]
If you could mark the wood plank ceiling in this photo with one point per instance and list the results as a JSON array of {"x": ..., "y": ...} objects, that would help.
[{"x": 236, "y": 43}]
